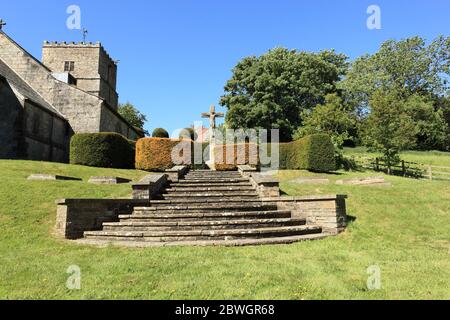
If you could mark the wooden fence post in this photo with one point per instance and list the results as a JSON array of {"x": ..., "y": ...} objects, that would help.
[
  {"x": 403, "y": 168},
  {"x": 377, "y": 168},
  {"x": 430, "y": 172}
]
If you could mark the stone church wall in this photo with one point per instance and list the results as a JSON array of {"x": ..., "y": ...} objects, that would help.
[
  {"x": 86, "y": 113},
  {"x": 46, "y": 135},
  {"x": 27, "y": 131},
  {"x": 110, "y": 122},
  {"x": 10, "y": 122}
]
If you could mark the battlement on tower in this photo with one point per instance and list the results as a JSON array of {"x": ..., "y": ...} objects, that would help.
[{"x": 88, "y": 62}]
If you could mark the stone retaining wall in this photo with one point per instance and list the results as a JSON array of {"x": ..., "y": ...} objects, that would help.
[
  {"x": 328, "y": 211},
  {"x": 149, "y": 186},
  {"x": 74, "y": 216}
]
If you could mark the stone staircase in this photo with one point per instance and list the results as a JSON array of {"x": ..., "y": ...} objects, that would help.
[{"x": 206, "y": 208}]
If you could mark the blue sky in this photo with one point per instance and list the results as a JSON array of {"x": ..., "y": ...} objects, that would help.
[{"x": 176, "y": 55}]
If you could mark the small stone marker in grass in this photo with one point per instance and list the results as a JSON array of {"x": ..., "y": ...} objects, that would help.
[
  {"x": 50, "y": 177},
  {"x": 311, "y": 180},
  {"x": 108, "y": 180},
  {"x": 375, "y": 181}
]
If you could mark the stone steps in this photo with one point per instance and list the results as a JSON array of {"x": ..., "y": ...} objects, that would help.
[
  {"x": 213, "y": 176},
  {"x": 206, "y": 243},
  {"x": 178, "y": 194},
  {"x": 158, "y": 216},
  {"x": 206, "y": 208},
  {"x": 201, "y": 199},
  {"x": 209, "y": 188},
  {"x": 209, "y": 185},
  {"x": 211, "y": 225},
  {"x": 212, "y": 181},
  {"x": 202, "y": 234}
]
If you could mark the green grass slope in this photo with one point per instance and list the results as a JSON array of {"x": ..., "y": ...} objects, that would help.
[{"x": 403, "y": 229}]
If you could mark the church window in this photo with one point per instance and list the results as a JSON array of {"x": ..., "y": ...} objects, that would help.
[{"x": 69, "y": 66}]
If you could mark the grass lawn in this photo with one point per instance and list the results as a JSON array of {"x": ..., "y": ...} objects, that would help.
[{"x": 403, "y": 229}]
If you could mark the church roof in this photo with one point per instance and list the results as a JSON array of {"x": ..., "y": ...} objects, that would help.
[{"x": 24, "y": 88}]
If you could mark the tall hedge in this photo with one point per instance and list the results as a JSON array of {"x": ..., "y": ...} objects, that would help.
[
  {"x": 106, "y": 150},
  {"x": 155, "y": 154},
  {"x": 228, "y": 157},
  {"x": 320, "y": 155},
  {"x": 313, "y": 153}
]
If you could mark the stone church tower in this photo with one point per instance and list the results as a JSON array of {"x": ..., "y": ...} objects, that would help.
[
  {"x": 43, "y": 103},
  {"x": 89, "y": 64}
]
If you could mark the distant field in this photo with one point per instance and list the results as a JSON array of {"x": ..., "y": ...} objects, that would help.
[
  {"x": 437, "y": 158},
  {"x": 403, "y": 229}
]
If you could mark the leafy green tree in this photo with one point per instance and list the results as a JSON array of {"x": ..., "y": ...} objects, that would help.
[
  {"x": 409, "y": 66},
  {"x": 272, "y": 90},
  {"x": 389, "y": 128},
  {"x": 417, "y": 72},
  {"x": 443, "y": 105},
  {"x": 133, "y": 116},
  {"x": 331, "y": 118},
  {"x": 160, "y": 133},
  {"x": 188, "y": 133},
  {"x": 431, "y": 127}
]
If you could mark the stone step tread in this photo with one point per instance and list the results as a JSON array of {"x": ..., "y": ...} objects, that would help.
[
  {"x": 241, "y": 205},
  {"x": 211, "y": 194},
  {"x": 196, "y": 200},
  {"x": 203, "y": 210},
  {"x": 207, "y": 214},
  {"x": 210, "y": 180},
  {"x": 203, "y": 174},
  {"x": 203, "y": 223},
  {"x": 212, "y": 185},
  {"x": 206, "y": 189},
  {"x": 199, "y": 243},
  {"x": 204, "y": 232}
]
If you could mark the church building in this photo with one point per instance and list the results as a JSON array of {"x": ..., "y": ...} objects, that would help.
[{"x": 43, "y": 103}]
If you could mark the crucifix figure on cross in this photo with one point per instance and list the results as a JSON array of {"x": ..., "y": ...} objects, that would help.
[
  {"x": 2, "y": 24},
  {"x": 212, "y": 115}
]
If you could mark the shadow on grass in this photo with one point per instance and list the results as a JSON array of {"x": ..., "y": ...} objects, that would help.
[{"x": 351, "y": 219}]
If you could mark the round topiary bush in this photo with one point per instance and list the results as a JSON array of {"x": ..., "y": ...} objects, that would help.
[
  {"x": 106, "y": 150},
  {"x": 188, "y": 133},
  {"x": 160, "y": 133}
]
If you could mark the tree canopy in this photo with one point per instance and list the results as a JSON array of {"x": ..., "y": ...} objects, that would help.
[
  {"x": 409, "y": 66},
  {"x": 389, "y": 127},
  {"x": 134, "y": 117},
  {"x": 332, "y": 118},
  {"x": 272, "y": 90}
]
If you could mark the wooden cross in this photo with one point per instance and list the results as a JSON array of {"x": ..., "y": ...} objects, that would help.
[
  {"x": 212, "y": 115},
  {"x": 2, "y": 23}
]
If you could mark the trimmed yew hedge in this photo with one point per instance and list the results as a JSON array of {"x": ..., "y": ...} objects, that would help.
[
  {"x": 228, "y": 157},
  {"x": 313, "y": 153},
  {"x": 105, "y": 150},
  {"x": 155, "y": 154}
]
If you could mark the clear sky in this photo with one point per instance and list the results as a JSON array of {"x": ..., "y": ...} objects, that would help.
[{"x": 176, "y": 55}]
